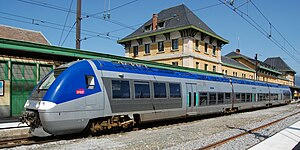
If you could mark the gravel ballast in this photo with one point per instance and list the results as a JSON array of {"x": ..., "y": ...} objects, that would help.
[{"x": 190, "y": 135}]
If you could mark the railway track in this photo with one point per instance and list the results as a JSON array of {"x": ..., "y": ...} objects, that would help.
[
  {"x": 218, "y": 143},
  {"x": 9, "y": 143}
]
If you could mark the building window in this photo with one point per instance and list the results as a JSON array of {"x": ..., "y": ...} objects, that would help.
[
  {"x": 197, "y": 44},
  {"x": 175, "y": 63},
  {"x": 135, "y": 51},
  {"x": 205, "y": 67},
  {"x": 206, "y": 48},
  {"x": 214, "y": 50},
  {"x": 233, "y": 73},
  {"x": 148, "y": 28},
  {"x": 161, "y": 46},
  {"x": 214, "y": 68},
  {"x": 174, "y": 44},
  {"x": 147, "y": 48},
  {"x": 160, "y": 25},
  {"x": 225, "y": 72},
  {"x": 197, "y": 65}
]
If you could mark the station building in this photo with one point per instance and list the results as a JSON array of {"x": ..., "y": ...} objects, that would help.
[{"x": 178, "y": 37}]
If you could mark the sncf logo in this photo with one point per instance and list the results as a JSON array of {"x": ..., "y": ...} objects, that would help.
[{"x": 80, "y": 91}]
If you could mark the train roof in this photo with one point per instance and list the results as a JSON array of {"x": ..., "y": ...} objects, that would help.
[{"x": 143, "y": 69}]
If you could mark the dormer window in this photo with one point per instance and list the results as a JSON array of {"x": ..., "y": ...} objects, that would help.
[
  {"x": 148, "y": 28},
  {"x": 161, "y": 25}
]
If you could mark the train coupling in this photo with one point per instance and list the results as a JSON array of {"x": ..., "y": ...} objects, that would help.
[{"x": 32, "y": 119}]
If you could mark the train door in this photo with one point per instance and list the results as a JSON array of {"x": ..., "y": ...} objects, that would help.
[{"x": 191, "y": 97}]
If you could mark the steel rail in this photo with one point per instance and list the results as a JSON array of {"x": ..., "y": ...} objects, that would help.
[{"x": 221, "y": 142}]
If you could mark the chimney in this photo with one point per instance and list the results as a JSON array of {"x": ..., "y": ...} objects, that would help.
[
  {"x": 238, "y": 51},
  {"x": 154, "y": 22}
]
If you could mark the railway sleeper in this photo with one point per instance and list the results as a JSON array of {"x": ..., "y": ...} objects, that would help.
[{"x": 106, "y": 123}]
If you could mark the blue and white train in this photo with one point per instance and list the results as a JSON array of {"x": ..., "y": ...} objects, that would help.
[{"x": 96, "y": 95}]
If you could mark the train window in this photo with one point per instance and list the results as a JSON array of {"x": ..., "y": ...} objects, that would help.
[
  {"x": 260, "y": 97},
  {"x": 220, "y": 98},
  {"x": 120, "y": 89},
  {"x": 238, "y": 96},
  {"x": 243, "y": 97},
  {"x": 267, "y": 97},
  {"x": 275, "y": 96},
  {"x": 160, "y": 90},
  {"x": 90, "y": 82},
  {"x": 248, "y": 97},
  {"x": 142, "y": 89},
  {"x": 212, "y": 98},
  {"x": 202, "y": 99},
  {"x": 227, "y": 98},
  {"x": 175, "y": 91}
]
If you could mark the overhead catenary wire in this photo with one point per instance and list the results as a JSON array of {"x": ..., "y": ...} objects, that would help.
[
  {"x": 51, "y": 27},
  {"x": 51, "y": 23},
  {"x": 272, "y": 26},
  {"x": 65, "y": 23},
  {"x": 74, "y": 12},
  {"x": 50, "y": 6},
  {"x": 262, "y": 31},
  {"x": 68, "y": 33}
]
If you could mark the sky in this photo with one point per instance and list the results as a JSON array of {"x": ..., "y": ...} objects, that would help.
[{"x": 100, "y": 34}]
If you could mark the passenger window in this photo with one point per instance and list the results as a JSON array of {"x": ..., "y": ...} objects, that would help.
[
  {"x": 260, "y": 97},
  {"x": 243, "y": 97},
  {"x": 212, "y": 98},
  {"x": 220, "y": 98},
  {"x": 275, "y": 96},
  {"x": 238, "y": 96},
  {"x": 248, "y": 97},
  {"x": 202, "y": 99},
  {"x": 175, "y": 91},
  {"x": 142, "y": 89},
  {"x": 90, "y": 82},
  {"x": 160, "y": 90},
  {"x": 227, "y": 98},
  {"x": 120, "y": 89}
]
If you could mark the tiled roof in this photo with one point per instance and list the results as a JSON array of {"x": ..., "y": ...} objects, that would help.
[
  {"x": 13, "y": 33},
  {"x": 174, "y": 17},
  {"x": 261, "y": 64},
  {"x": 279, "y": 64},
  {"x": 234, "y": 63}
]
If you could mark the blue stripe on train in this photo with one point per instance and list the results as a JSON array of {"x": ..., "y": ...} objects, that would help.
[{"x": 111, "y": 66}]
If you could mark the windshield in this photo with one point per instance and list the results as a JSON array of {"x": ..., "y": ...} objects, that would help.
[
  {"x": 44, "y": 85},
  {"x": 48, "y": 80}
]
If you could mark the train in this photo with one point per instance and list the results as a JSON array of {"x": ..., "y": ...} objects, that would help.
[{"x": 96, "y": 95}]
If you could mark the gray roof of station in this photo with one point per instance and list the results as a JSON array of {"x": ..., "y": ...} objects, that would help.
[
  {"x": 234, "y": 63},
  {"x": 279, "y": 64},
  {"x": 174, "y": 17}
]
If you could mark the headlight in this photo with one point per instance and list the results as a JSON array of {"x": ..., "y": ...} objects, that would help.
[
  {"x": 26, "y": 104},
  {"x": 37, "y": 105},
  {"x": 45, "y": 105}
]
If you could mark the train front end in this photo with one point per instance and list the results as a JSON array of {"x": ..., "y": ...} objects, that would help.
[{"x": 61, "y": 101}]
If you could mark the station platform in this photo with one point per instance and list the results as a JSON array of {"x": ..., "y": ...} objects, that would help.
[
  {"x": 287, "y": 139},
  {"x": 11, "y": 122}
]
